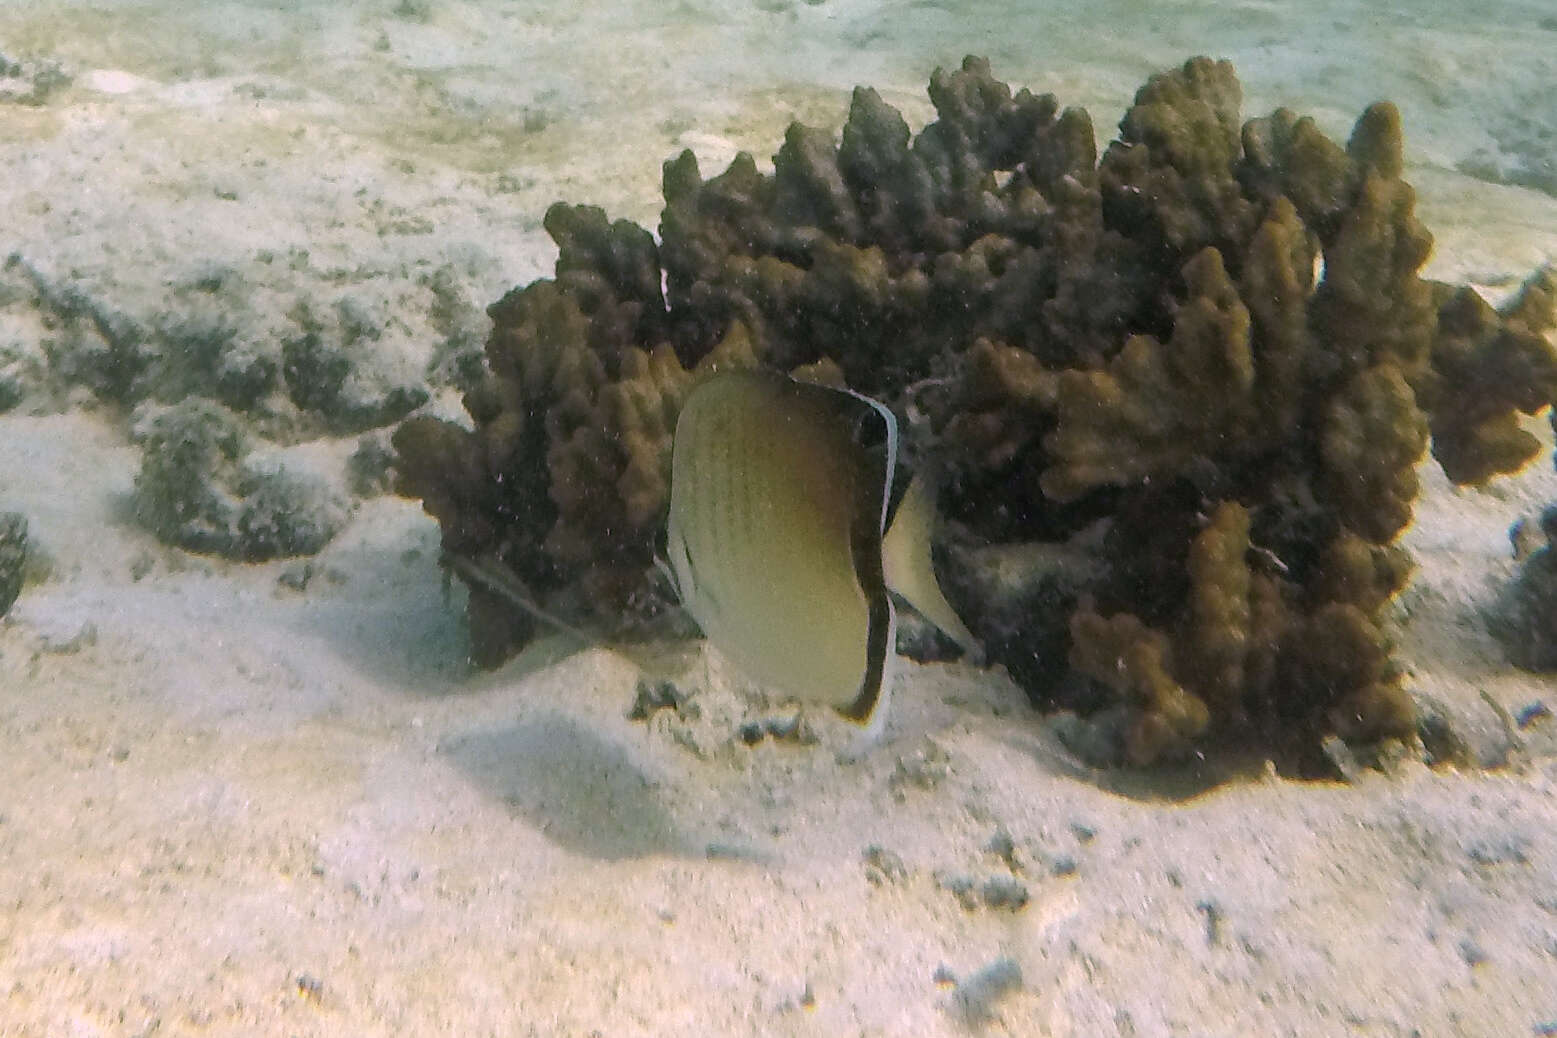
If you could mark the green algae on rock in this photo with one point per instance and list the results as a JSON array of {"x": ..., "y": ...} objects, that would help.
[{"x": 1212, "y": 344}]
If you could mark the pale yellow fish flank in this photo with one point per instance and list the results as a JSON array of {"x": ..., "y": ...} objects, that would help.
[{"x": 773, "y": 506}]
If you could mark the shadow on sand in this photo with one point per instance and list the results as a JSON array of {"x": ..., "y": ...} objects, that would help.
[{"x": 580, "y": 790}]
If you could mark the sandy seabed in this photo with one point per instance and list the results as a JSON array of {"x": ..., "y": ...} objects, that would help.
[{"x": 241, "y": 799}]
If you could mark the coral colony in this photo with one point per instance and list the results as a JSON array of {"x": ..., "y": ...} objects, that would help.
[{"x": 1208, "y": 355}]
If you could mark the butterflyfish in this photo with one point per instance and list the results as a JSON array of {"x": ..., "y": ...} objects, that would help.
[{"x": 783, "y": 543}]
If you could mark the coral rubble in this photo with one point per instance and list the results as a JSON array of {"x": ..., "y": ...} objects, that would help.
[
  {"x": 13, "y": 557},
  {"x": 1212, "y": 342},
  {"x": 1525, "y": 617},
  {"x": 201, "y": 487}
]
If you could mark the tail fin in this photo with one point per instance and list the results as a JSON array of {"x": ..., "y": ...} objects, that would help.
[{"x": 905, "y": 561}]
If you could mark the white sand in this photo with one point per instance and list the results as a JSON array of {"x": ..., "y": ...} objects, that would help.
[{"x": 228, "y": 807}]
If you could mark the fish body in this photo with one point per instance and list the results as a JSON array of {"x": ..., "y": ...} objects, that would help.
[{"x": 780, "y": 492}]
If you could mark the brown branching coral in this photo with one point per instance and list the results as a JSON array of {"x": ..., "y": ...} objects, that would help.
[
  {"x": 564, "y": 476},
  {"x": 1212, "y": 344},
  {"x": 1171, "y": 175},
  {"x": 1157, "y": 406},
  {"x": 1491, "y": 365},
  {"x": 1133, "y": 660}
]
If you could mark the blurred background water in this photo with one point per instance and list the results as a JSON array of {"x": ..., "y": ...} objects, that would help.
[{"x": 591, "y": 97}]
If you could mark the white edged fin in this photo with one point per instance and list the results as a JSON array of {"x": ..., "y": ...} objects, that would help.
[
  {"x": 909, "y": 571},
  {"x": 873, "y": 726},
  {"x": 890, "y": 420}
]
